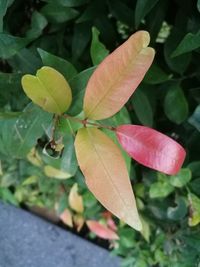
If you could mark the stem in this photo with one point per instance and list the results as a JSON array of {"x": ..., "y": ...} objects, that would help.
[{"x": 85, "y": 122}]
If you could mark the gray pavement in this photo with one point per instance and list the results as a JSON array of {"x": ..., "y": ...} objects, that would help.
[{"x": 28, "y": 241}]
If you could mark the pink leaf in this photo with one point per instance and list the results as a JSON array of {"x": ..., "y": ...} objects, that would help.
[
  {"x": 102, "y": 231},
  {"x": 109, "y": 220},
  {"x": 66, "y": 217},
  {"x": 151, "y": 148}
]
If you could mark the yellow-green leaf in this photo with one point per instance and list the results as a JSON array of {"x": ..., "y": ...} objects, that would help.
[
  {"x": 48, "y": 89},
  {"x": 56, "y": 173},
  {"x": 75, "y": 200},
  {"x": 106, "y": 175},
  {"x": 117, "y": 77}
]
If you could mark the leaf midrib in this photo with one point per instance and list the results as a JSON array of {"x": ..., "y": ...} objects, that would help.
[
  {"x": 115, "y": 82},
  {"x": 104, "y": 167}
]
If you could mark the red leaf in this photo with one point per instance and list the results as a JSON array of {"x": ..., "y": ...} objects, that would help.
[
  {"x": 151, "y": 148},
  {"x": 102, "y": 231}
]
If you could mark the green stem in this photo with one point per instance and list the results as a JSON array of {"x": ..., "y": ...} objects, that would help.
[{"x": 85, "y": 122}]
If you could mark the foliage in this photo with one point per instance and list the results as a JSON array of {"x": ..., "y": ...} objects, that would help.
[{"x": 64, "y": 34}]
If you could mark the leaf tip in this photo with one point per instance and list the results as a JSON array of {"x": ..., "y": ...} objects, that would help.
[{"x": 133, "y": 220}]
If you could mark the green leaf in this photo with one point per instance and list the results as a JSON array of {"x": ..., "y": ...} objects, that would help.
[
  {"x": 38, "y": 23},
  {"x": 194, "y": 120},
  {"x": 194, "y": 203},
  {"x": 179, "y": 211},
  {"x": 7, "y": 196},
  {"x": 78, "y": 86},
  {"x": 10, "y": 45},
  {"x": 48, "y": 89},
  {"x": 178, "y": 64},
  {"x": 58, "y": 14},
  {"x": 98, "y": 50},
  {"x": 68, "y": 126},
  {"x": 189, "y": 43},
  {"x": 20, "y": 135},
  {"x": 9, "y": 115},
  {"x": 70, "y": 3},
  {"x": 162, "y": 188},
  {"x": 195, "y": 186},
  {"x": 194, "y": 166},
  {"x": 155, "y": 75},
  {"x": 4, "y": 4},
  {"x": 181, "y": 178},
  {"x": 60, "y": 64},
  {"x": 25, "y": 61},
  {"x": 175, "y": 105},
  {"x": 142, "y": 108},
  {"x": 142, "y": 9}
]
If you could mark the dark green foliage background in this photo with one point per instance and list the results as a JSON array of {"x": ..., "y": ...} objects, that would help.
[{"x": 59, "y": 34}]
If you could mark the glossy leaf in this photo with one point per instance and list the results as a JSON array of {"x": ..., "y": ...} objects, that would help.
[
  {"x": 117, "y": 77},
  {"x": 19, "y": 135},
  {"x": 25, "y": 61},
  {"x": 151, "y": 148},
  {"x": 178, "y": 64},
  {"x": 98, "y": 50},
  {"x": 106, "y": 175},
  {"x": 176, "y": 105},
  {"x": 10, "y": 45},
  {"x": 75, "y": 200},
  {"x": 48, "y": 89},
  {"x": 101, "y": 231},
  {"x": 189, "y": 43},
  {"x": 60, "y": 64}
]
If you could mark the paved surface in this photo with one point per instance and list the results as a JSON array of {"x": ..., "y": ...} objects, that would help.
[{"x": 28, "y": 241}]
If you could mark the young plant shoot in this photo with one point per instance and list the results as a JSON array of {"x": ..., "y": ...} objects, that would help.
[{"x": 108, "y": 90}]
